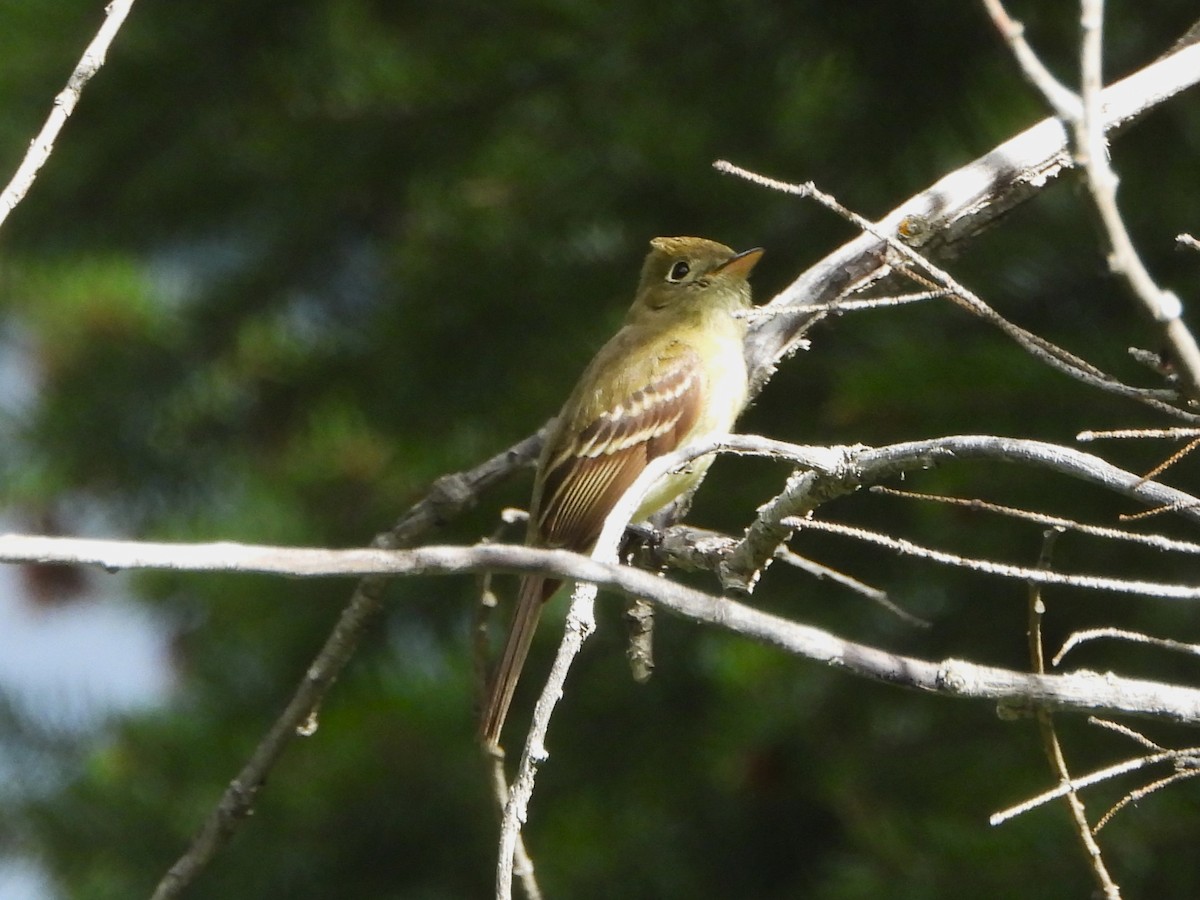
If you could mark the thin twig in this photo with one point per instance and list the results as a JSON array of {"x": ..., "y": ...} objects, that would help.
[
  {"x": 1094, "y": 634},
  {"x": 1163, "y": 307},
  {"x": 1077, "y": 784},
  {"x": 875, "y": 595},
  {"x": 1157, "y": 511},
  {"x": 1157, "y": 541},
  {"x": 522, "y": 863},
  {"x": 1080, "y": 690},
  {"x": 1084, "y": 113},
  {"x": 1185, "y": 762},
  {"x": 1050, "y": 742},
  {"x": 1143, "y": 792},
  {"x": 1126, "y": 731},
  {"x": 64, "y": 104},
  {"x": 1037, "y": 608},
  {"x": 762, "y": 313},
  {"x": 1125, "y": 433},
  {"x": 1064, "y": 102},
  {"x": 523, "y": 867},
  {"x": 1172, "y": 459},
  {"x": 959, "y": 205},
  {"x": 1164, "y": 590},
  {"x": 1051, "y": 354},
  {"x": 1167, "y": 591}
]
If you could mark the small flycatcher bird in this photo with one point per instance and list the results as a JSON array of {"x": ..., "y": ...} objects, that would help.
[{"x": 674, "y": 374}]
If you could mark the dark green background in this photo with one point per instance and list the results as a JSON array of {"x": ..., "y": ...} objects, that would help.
[{"x": 291, "y": 261}]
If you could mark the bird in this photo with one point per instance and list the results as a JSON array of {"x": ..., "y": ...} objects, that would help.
[{"x": 674, "y": 374}]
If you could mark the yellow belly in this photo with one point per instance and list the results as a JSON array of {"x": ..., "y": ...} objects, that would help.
[{"x": 726, "y": 391}]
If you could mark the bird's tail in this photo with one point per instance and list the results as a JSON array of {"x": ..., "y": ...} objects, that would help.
[{"x": 531, "y": 597}]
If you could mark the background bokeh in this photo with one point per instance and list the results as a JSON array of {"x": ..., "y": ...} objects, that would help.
[{"x": 291, "y": 261}]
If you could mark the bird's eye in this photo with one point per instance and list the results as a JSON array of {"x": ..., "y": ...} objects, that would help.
[{"x": 679, "y": 271}]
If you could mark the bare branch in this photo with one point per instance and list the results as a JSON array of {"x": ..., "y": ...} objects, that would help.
[
  {"x": 832, "y": 471},
  {"x": 1080, "y": 690},
  {"x": 1003, "y": 570},
  {"x": 796, "y": 561},
  {"x": 1180, "y": 774},
  {"x": 807, "y": 490},
  {"x": 1064, "y": 102},
  {"x": 522, "y": 863},
  {"x": 762, "y": 313},
  {"x": 1050, "y": 742},
  {"x": 1126, "y": 731},
  {"x": 580, "y": 625},
  {"x": 639, "y": 618},
  {"x": 1077, "y": 690},
  {"x": 1185, "y": 762},
  {"x": 64, "y": 104},
  {"x": 1172, "y": 459},
  {"x": 1121, "y": 634},
  {"x": 1163, "y": 307},
  {"x": 1157, "y": 541},
  {"x": 1045, "y": 351},
  {"x": 960, "y": 204},
  {"x": 1077, "y": 784},
  {"x": 1123, "y": 433},
  {"x": 449, "y": 495}
]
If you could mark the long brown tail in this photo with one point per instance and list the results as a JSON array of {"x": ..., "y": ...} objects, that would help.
[{"x": 531, "y": 597}]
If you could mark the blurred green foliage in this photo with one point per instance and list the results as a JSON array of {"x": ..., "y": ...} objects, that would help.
[{"x": 291, "y": 261}]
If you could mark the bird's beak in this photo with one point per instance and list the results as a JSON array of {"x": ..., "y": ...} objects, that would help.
[{"x": 741, "y": 264}]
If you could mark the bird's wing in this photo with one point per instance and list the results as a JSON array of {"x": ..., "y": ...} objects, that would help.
[{"x": 585, "y": 477}]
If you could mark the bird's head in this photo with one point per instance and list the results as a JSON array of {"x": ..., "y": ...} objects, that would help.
[{"x": 690, "y": 273}]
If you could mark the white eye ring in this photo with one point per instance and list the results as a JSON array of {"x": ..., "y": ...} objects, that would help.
[{"x": 679, "y": 271}]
